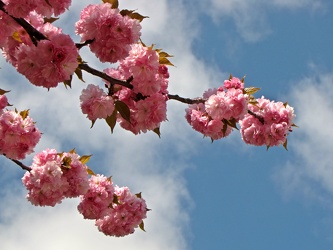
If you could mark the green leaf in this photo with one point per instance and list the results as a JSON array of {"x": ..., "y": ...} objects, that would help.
[
  {"x": 116, "y": 200},
  {"x": 2, "y": 92},
  {"x": 123, "y": 110},
  {"x": 157, "y": 131},
  {"x": 112, "y": 120},
  {"x": 78, "y": 73},
  {"x": 72, "y": 151},
  {"x": 66, "y": 162},
  {"x": 285, "y": 145},
  {"x": 50, "y": 20},
  {"x": 132, "y": 14},
  {"x": 230, "y": 76},
  {"x": 114, "y": 3},
  {"x": 90, "y": 172},
  {"x": 24, "y": 113},
  {"x": 16, "y": 36},
  {"x": 232, "y": 123},
  {"x": 138, "y": 195},
  {"x": 251, "y": 90},
  {"x": 68, "y": 82},
  {"x": 142, "y": 226},
  {"x": 84, "y": 158},
  {"x": 92, "y": 123},
  {"x": 165, "y": 61}
]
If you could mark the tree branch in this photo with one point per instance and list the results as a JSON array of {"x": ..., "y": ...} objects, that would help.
[
  {"x": 186, "y": 100},
  {"x": 105, "y": 76},
  {"x": 34, "y": 34},
  {"x": 24, "y": 167},
  {"x": 260, "y": 118}
]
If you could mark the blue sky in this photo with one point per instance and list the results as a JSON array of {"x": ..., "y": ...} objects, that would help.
[{"x": 203, "y": 195}]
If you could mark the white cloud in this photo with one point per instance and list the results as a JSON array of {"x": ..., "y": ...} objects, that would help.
[
  {"x": 311, "y": 170},
  {"x": 142, "y": 162},
  {"x": 250, "y": 17}
]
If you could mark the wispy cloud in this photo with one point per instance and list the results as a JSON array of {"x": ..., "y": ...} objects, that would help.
[
  {"x": 141, "y": 162},
  {"x": 310, "y": 172},
  {"x": 250, "y": 17}
]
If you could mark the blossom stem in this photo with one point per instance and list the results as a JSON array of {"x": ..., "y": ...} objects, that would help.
[
  {"x": 106, "y": 77},
  {"x": 186, "y": 100},
  {"x": 34, "y": 34},
  {"x": 260, "y": 118},
  {"x": 24, "y": 167}
]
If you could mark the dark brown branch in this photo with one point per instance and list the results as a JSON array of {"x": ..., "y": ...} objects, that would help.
[
  {"x": 260, "y": 118},
  {"x": 105, "y": 76},
  {"x": 34, "y": 34},
  {"x": 186, "y": 100},
  {"x": 24, "y": 167},
  {"x": 80, "y": 45}
]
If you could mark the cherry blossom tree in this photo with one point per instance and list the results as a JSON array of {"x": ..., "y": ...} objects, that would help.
[{"x": 135, "y": 95}]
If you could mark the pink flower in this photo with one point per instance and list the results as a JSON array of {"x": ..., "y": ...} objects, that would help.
[
  {"x": 112, "y": 33},
  {"x": 146, "y": 111},
  {"x": 55, "y": 176},
  {"x": 3, "y": 101},
  {"x": 18, "y": 135},
  {"x": 22, "y": 8},
  {"x": 75, "y": 173},
  {"x": 270, "y": 125},
  {"x": 45, "y": 182},
  {"x": 146, "y": 114},
  {"x": 143, "y": 65},
  {"x": 227, "y": 105},
  {"x": 95, "y": 103},
  {"x": 98, "y": 199},
  {"x": 235, "y": 83},
  {"x": 51, "y": 61},
  {"x": 124, "y": 216}
]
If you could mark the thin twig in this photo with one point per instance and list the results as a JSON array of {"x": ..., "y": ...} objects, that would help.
[
  {"x": 105, "y": 76},
  {"x": 34, "y": 34},
  {"x": 260, "y": 118},
  {"x": 186, "y": 100},
  {"x": 24, "y": 167}
]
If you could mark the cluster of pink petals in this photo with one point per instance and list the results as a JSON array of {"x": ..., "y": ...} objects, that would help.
[
  {"x": 233, "y": 82},
  {"x": 54, "y": 177},
  {"x": 53, "y": 60},
  {"x": 3, "y": 102},
  {"x": 18, "y": 135},
  {"x": 221, "y": 105},
  {"x": 269, "y": 126},
  {"x": 142, "y": 63},
  {"x": 8, "y": 26},
  {"x": 122, "y": 218},
  {"x": 147, "y": 100},
  {"x": 22, "y": 8},
  {"x": 117, "y": 211},
  {"x": 96, "y": 103},
  {"x": 112, "y": 33},
  {"x": 98, "y": 199}
]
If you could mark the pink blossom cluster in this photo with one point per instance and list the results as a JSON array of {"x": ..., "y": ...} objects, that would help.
[
  {"x": 147, "y": 99},
  {"x": 96, "y": 103},
  {"x": 55, "y": 176},
  {"x": 53, "y": 60},
  {"x": 269, "y": 124},
  {"x": 111, "y": 32},
  {"x": 22, "y": 8},
  {"x": 95, "y": 202},
  {"x": 18, "y": 135},
  {"x": 125, "y": 215},
  {"x": 117, "y": 212},
  {"x": 221, "y": 108}
]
